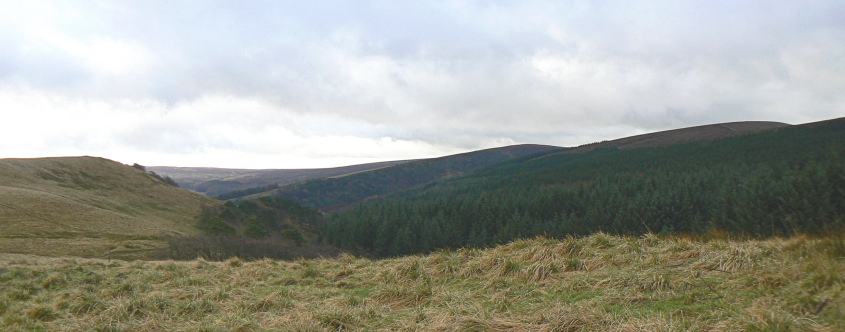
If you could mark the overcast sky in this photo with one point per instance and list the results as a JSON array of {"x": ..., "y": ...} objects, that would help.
[{"x": 293, "y": 84}]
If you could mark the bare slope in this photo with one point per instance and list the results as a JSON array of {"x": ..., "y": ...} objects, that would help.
[
  {"x": 683, "y": 135},
  {"x": 216, "y": 181},
  {"x": 84, "y": 206}
]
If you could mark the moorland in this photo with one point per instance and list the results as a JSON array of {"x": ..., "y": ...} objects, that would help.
[{"x": 725, "y": 227}]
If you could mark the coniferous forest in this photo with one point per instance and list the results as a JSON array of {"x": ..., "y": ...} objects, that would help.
[
  {"x": 269, "y": 227},
  {"x": 775, "y": 183}
]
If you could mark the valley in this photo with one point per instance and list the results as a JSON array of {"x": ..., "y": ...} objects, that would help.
[{"x": 742, "y": 231}]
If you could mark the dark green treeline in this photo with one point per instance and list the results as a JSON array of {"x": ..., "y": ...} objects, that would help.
[
  {"x": 265, "y": 228},
  {"x": 768, "y": 184}
]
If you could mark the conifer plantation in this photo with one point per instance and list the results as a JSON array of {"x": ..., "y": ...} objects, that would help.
[
  {"x": 735, "y": 234},
  {"x": 432, "y": 166},
  {"x": 777, "y": 183}
]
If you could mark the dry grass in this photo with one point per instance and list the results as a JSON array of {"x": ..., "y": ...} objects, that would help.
[
  {"x": 594, "y": 283},
  {"x": 83, "y": 206}
]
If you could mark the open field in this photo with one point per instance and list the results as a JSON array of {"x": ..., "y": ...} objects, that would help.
[{"x": 593, "y": 283}]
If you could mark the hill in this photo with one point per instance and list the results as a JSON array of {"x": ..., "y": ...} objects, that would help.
[
  {"x": 217, "y": 181},
  {"x": 336, "y": 193},
  {"x": 85, "y": 206},
  {"x": 682, "y": 135},
  {"x": 269, "y": 227},
  {"x": 772, "y": 183},
  {"x": 593, "y": 283},
  {"x": 332, "y": 195}
]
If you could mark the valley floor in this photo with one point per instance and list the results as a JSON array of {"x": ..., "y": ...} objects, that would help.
[{"x": 594, "y": 283}]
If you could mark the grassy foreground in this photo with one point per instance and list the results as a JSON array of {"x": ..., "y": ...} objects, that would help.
[{"x": 593, "y": 283}]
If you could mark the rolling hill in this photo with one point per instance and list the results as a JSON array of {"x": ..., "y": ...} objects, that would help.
[
  {"x": 86, "y": 206},
  {"x": 682, "y": 135},
  {"x": 332, "y": 194},
  {"x": 783, "y": 182},
  {"x": 336, "y": 194},
  {"x": 216, "y": 181},
  {"x": 773, "y": 183},
  {"x": 250, "y": 184}
]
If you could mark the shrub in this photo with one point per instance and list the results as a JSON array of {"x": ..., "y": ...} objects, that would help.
[{"x": 293, "y": 234}]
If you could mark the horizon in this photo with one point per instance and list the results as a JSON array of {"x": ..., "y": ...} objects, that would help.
[
  {"x": 413, "y": 159},
  {"x": 268, "y": 85}
]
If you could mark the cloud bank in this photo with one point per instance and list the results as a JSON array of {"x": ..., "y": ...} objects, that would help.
[{"x": 292, "y": 84}]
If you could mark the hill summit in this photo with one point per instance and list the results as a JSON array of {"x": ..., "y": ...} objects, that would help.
[{"x": 87, "y": 206}]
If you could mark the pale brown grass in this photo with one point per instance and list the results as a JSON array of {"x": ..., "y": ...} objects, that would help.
[
  {"x": 84, "y": 206},
  {"x": 594, "y": 283}
]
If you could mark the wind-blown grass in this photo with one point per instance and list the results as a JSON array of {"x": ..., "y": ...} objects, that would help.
[{"x": 593, "y": 283}]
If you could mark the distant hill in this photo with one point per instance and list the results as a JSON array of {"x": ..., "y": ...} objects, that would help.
[
  {"x": 682, "y": 135},
  {"x": 249, "y": 183},
  {"x": 771, "y": 183},
  {"x": 334, "y": 194},
  {"x": 331, "y": 194},
  {"x": 216, "y": 181},
  {"x": 85, "y": 206}
]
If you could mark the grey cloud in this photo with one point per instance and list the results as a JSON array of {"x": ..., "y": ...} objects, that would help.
[{"x": 457, "y": 73}]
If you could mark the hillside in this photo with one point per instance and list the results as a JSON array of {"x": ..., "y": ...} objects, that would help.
[
  {"x": 216, "y": 181},
  {"x": 269, "y": 227},
  {"x": 332, "y": 195},
  {"x": 85, "y": 206},
  {"x": 593, "y": 283},
  {"x": 250, "y": 184},
  {"x": 682, "y": 135},
  {"x": 338, "y": 192},
  {"x": 773, "y": 183}
]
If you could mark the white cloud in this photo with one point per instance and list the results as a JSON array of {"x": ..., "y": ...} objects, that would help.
[
  {"x": 218, "y": 131},
  {"x": 283, "y": 84}
]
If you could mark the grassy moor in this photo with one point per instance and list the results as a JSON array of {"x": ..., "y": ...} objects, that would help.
[
  {"x": 88, "y": 207},
  {"x": 740, "y": 233},
  {"x": 593, "y": 283},
  {"x": 461, "y": 165}
]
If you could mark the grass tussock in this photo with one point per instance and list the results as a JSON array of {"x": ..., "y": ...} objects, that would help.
[{"x": 592, "y": 283}]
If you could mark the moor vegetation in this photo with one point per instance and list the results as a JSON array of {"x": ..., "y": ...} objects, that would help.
[
  {"x": 737, "y": 234},
  {"x": 90, "y": 207},
  {"x": 166, "y": 179},
  {"x": 594, "y": 283}
]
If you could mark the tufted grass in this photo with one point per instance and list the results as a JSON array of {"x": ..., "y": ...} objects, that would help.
[{"x": 594, "y": 283}]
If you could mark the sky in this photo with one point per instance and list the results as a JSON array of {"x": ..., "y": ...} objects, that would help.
[{"x": 305, "y": 84}]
